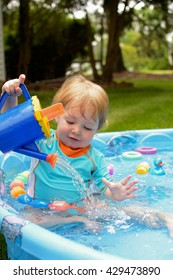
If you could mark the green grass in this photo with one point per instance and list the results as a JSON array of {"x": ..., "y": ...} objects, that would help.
[{"x": 146, "y": 105}]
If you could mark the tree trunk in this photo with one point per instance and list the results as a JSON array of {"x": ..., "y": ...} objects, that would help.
[
  {"x": 90, "y": 48},
  {"x": 119, "y": 63},
  {"x": 115, "y": 26},
  {"x": 111, "y": 11},
  {"x": 24, "y": 37}
]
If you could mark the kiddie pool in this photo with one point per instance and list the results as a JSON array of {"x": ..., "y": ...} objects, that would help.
[{"x": 26, "y": 240}]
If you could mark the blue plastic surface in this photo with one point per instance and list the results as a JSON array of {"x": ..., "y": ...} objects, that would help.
[{"x": 19, "y": 129}]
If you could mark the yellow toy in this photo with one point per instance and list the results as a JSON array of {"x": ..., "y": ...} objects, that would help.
[{"x": 142, "y": 168}]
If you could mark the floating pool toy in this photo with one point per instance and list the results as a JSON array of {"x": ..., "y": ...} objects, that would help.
[
  {"x": 22, "y": 125},
  {"x": 123, "y": 139},
  {"x": 56, "y": 205},
  {"x": 59, "y": 206},
  {"x": 142, "y": 168},
  {"x": 18, "y": 192},
  {"x": 158, "y": 167},
  {"x": 17, "y": 185},
  {"x": 146, "y": 150},
  {"x": 131, "y": 155},
  {"x": 111, "y": 170}
]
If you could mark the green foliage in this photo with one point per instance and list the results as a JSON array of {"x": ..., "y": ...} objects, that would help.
[
  {"x": 141, "y": 53},
  {"x": 3, "y": 248},
  {"x": 145, "y": 46},
  {"x": 62, "y": 41},
  {"x": 56, "y": 40}
]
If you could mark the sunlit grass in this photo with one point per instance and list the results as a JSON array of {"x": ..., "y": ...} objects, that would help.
[
  {"x": 159, "y": 72},
  {"x": 146, "y": 105}
]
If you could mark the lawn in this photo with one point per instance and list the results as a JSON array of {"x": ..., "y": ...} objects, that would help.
[{"x": 148, "y": 104}]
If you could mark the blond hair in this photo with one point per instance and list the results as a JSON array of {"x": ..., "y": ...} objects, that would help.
[{"x": 91, "y": 97}]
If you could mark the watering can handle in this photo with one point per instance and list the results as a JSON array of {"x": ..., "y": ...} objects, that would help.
[{"x": 5, "y": 95}]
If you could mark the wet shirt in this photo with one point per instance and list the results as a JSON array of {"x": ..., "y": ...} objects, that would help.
[{"x": 70, "y": 179}]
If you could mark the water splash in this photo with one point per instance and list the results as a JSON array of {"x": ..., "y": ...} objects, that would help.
[
  {"x": 95, "y": 208},
  {"x": 77, "y": 180},
  {"x": 2, "y": 182}
]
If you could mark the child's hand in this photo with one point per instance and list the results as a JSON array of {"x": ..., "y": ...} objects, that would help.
[
  {"x": 121, "y": 190},
  {"x": 12, "y": 86}
]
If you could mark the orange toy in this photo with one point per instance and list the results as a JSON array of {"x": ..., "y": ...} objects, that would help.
[
  {"x": 59, "y": 205},
  {"x": 16, "y": 183},
  {"x": 17, "y": 191}
]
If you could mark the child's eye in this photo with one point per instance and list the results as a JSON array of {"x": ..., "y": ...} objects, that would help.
[
  {"x": 88, "y": 128},
  {"x": 69, "y": 122}
]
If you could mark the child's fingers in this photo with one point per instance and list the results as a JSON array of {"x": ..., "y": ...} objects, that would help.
[
  {"x": 131, "y": 184},
  {"x": 129, "y": 196},
  {"x": 125, "y": 180},
  {"x": 106, "y": 182},
  {"x": 12, "y": 86},
  {"x": 22, "y": 78}
]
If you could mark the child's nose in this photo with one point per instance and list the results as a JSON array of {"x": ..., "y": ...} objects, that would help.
[{"x": 77, "y": 129}]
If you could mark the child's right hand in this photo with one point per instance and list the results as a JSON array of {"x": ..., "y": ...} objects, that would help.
[{"x": 12, "y": 86}]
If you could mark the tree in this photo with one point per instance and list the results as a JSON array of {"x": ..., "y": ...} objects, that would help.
[
  {"x": 42, "y": 55},
  {"x": 2, "y": 57},
  {"x": 24, "y": 36},
  {"x": 118, "y": 15},
  {"x": 117, "y": 20},
  {"x": 152, "y": 44}
]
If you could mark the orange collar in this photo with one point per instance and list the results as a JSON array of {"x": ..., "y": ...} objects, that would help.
[{"x": 72, "y": 152}]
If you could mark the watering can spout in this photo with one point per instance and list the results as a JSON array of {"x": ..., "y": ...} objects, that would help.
[
  {"x": 53, "y": 111},
  {"x": 52, "y": 159},
  {"x": 22, "y": 125}
]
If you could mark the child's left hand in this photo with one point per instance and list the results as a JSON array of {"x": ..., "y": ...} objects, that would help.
[{"x": 121, "y": 190}]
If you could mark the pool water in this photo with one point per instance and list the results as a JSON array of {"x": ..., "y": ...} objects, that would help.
[
  {"x": 118, "y": 234},
  {"x": 122, "y": 236}
]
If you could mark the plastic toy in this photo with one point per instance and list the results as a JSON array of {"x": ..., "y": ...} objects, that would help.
[
  {"x": 158, "y": 167},
  {"x": 17, "y": 185},
  {"x": 142, "y": 168},
  {"x": 56, "y": 205},
  {"x": 26, "y": 123},
  {"x": 131, "y": 155},
  {"x": 111, "y": 170},
  {"x": 147, "y": 150},
  {"x": 18, "y": 192}
]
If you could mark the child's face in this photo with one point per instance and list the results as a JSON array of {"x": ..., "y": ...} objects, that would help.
[{"x": 74, "y": 130}]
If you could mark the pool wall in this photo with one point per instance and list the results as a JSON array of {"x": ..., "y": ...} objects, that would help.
[{"x": 26, "y": 240}]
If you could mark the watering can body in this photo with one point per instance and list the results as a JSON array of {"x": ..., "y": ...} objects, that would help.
[
  {"x": 22, "y": 125},
  {"x": 15, "y": 131}
]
